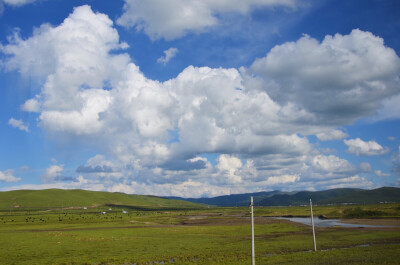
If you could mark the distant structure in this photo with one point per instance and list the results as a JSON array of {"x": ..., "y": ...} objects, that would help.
[{"x": 313, "y": 229}]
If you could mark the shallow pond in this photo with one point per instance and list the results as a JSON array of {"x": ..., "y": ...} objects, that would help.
[{"x": 326, "y": 222}]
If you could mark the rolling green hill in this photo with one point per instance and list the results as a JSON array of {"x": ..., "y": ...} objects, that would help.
[
  {"x": 303, "y": 197},
  {"x": 385, "y": 194},
  {"x": 343, "y": 195},
  {"x": 56, "y": 198}
]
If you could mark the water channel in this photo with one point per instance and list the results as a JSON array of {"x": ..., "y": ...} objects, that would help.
[{"x": 326, "y": 222}]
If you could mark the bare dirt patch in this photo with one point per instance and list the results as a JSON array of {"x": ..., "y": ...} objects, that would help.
[{"x": 388, "y": 222}]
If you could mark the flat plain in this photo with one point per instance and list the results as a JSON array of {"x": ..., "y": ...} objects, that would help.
[{"x": 165, "y": 235}]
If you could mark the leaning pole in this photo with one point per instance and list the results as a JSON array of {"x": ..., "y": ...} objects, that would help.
[
  {"x": 253, "y": 256},
  {"x": 313, "y": 229}
]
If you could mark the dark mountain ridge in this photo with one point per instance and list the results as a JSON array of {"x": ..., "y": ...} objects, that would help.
[{"x": 278, "y": 198}]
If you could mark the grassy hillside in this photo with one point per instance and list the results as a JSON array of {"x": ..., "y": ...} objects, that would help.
[
  {"x": 359, "y": 196},
  {"x": 303, "y": 197},
  {"x": 56, "y": 198},
  {"x": 278, "y": 198},
  {"x": 385, "y": 194}
]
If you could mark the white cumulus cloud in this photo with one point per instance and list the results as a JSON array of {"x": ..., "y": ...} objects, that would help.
[
  {"x": 18, "y": 124},
  {"x": 332, "y": 163},
  {"x": 31, "y": 105},
  {"x": 52, "y": 173},
  {"x": 7, "y": 176},
  {"x": 331, "y": 135},
  {"x": 156, "y": 135},
  {"x": 338, "y": 80},
  {"x": 359, "y": 147},
  {"x": 281, "y": 179},
  {"x": 228, "y": 166},
  {"x": 169, "y": 54},
  {"x": 171, "y": 19}
]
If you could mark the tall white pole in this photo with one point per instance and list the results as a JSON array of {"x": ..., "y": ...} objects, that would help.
[
  {"x": 253, "y": 256},
  {"x": 313, "y": 229}
]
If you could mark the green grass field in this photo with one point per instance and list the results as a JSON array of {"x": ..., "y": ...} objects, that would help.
[
  {"x": 56, "y": 198},
  {"x": 193, "y": 236}
]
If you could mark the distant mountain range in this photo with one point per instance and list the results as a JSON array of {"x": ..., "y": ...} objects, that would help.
[{"x": 278, "y": 198}]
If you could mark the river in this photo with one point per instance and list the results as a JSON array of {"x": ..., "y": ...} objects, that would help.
[{"x": 326, "y": 222}]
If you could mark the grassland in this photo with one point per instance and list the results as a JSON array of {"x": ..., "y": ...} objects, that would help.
[
  {"x": 56, "y": 198},
  {"x": 169, "y": 235}
]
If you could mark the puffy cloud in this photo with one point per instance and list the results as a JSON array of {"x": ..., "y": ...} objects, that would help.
[
  {"x": 172, "y": 19},
  {"x": 332, "y": 163},
  {"x": 281, "y": 179},
  {"x": 18, "y": 124},
  {"x": 331, "y": 135},
  {"x": 75, "y": 61},
  {"x": 7, "y": 176},
  {"x": 31, "y": 105},
  {"x": 85, "y": 120},
  {"x": 339, "y": 80},
  {"x": 359, "y": 147},
  {"x": 224, "y": 117},
  {"x": 228, "y": 166},
  {"x": 156, "y": 135},
  {"x": 53, "y": 173},
  {"x": 77, "y": 49},
  {"x": 169, "y": 54}
]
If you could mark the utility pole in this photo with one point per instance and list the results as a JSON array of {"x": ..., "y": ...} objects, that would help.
[
  {"x": 313, "y": 229},
  {"x": 253, "y": 256}
]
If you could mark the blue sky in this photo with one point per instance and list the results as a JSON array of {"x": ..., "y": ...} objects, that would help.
[{"x": 199, "y": 98}]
